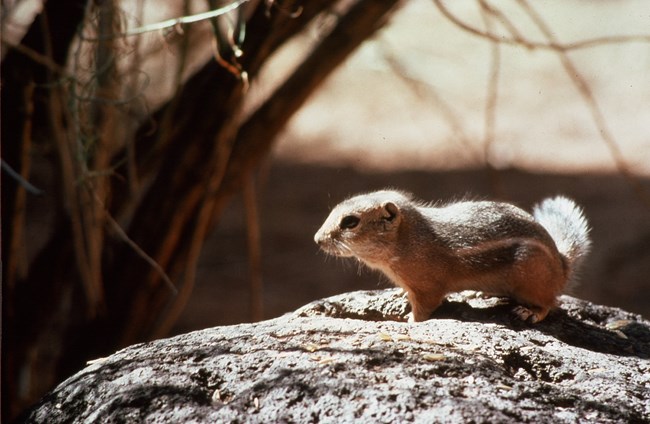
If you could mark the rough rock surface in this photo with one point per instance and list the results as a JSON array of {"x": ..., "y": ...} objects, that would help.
[{"x": 349, "y": 359}]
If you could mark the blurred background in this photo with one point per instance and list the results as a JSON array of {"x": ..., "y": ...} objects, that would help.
[{"x": 162, "y": 179}]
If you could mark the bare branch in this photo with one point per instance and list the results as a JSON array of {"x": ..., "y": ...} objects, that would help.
[
  {"x": 148, "y": 259},
  {"x": 171, "y": 23},
  {"x": 551, "y": 45},
  {"x": 39, "y": 58},
  {"x": 492, "y": 96},
  {"x": 488, "y": 9},
  {"x": 29, "y": 187},
  {"x": 254, "y": 242}
]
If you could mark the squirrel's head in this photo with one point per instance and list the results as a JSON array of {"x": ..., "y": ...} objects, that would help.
[{"x": 364, "y": 226}]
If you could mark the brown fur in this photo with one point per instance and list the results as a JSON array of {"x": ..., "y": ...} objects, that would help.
[{"x": 431, "y": 251}]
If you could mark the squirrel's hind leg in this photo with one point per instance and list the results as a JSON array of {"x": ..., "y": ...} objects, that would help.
[
  {"x": 531, "y": 315},
  {"x": 535, "y": 283}
]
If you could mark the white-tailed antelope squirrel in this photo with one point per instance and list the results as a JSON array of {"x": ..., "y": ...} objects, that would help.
[{"x": 493, "y": 247}]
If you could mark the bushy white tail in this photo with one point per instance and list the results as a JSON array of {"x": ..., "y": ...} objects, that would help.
[{"x": 565, "y": 222}]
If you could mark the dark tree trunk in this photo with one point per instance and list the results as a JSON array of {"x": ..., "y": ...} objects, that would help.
[
  {"x": 26, "y": 94},
  {"x": 195, "y": 156}
]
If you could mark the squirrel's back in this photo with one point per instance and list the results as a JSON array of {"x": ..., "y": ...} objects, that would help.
[{"x": 565, "y": 222}]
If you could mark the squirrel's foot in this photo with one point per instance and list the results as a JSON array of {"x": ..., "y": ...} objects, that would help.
[
  {"x": 530, "y": 315},
  {"x": 419, "y": 315}
]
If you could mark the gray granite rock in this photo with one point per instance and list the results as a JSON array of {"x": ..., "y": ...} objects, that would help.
[{"x": 351, "y": 358}]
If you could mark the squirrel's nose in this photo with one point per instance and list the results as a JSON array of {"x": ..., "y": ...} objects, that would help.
[{"x": 320, "y": 237}]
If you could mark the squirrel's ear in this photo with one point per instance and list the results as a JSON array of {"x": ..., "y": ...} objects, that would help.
[{"x": 390, "y": 211}]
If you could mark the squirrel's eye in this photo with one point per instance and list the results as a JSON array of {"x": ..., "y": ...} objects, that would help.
[{"x": 349, "y": 222}]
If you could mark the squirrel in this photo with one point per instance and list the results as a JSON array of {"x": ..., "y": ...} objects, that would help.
[{"x": 432, "y": 250}]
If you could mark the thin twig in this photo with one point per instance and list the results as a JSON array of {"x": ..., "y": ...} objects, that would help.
[
  {"x": 133, "y": 84},
  {"x": 16, "y": 265},
  {"x": 21, "y": 180},
  {"x": 491, "y": 98},
  {"x": 502, "y": 18},
  {"x": 37, "y": 57},
  {"x": 553, "y": 45},
  {"x": 254, "y": 248},
  {"x": 73, "y": 194},
  {"x": 133, "y": 245},
  {"x": 170, "y": 23}
]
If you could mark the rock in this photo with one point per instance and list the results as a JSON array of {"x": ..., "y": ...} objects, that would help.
[{"x": 349, "y": 358}]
